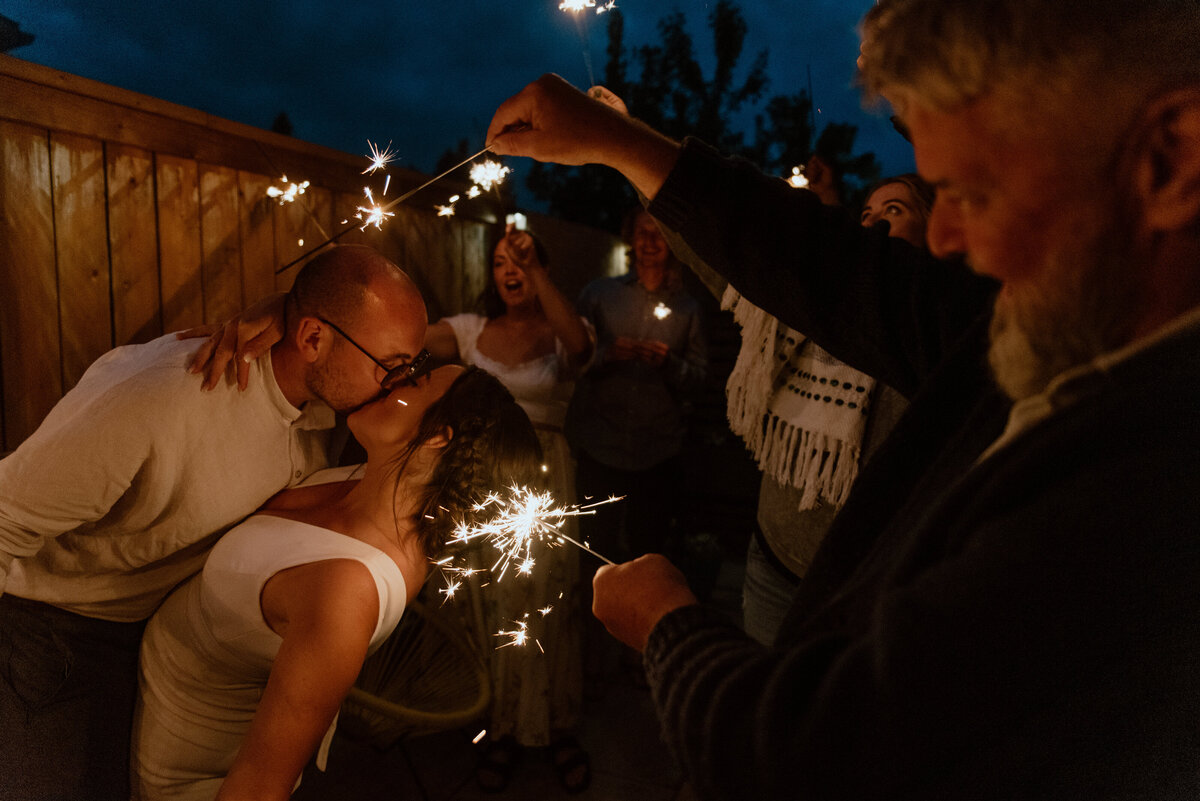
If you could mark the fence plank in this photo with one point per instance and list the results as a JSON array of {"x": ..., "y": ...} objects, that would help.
[
  {"x": 177, "y": 197},
  {"x": 258, "y": 236},
  {"x": 29, "y": 333},
  {"x": 81, "y": 247},
  {"x": 476, "y": 261},
  {"x": 433, "y": 258},
  {"x": 300, "y": 226},
  {"x": 220, "y": 243},
  {"x": 137, "y": 316}
]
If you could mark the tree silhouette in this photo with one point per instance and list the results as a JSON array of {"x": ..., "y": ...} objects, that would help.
[
  {"x": 672, "y": 94},
  {"x": 11, "y": 35},
  {"x": 282, "y": 124}
]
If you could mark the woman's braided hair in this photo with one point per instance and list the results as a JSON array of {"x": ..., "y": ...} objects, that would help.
[{"x": 492, "y": 447}]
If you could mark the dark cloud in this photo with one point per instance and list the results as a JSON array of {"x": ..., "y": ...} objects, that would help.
[{"x": 424, "y": 75}]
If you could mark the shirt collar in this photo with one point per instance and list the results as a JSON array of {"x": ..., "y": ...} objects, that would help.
[{"x": 1078, "y": 382}]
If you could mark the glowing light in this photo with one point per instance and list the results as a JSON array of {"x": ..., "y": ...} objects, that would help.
[
  {"x": 487, "y": 174},
  {"x": 575, "y": 6},
  {"x": 479, "y": 736},
  {"x": 445, "y": 211},
  {"x": 474, "y": 192},
  {"x": 516, "y": 220},
  {"x": 662, "y": 311},
  {"x": 372, "y": 214},
  {"x": 798, "y": 179},
  {"x": 519, "y": 635},
  {"x": 289, "y": 192},
  {"x": 523, "y": 519},
  {"x": 379, "y": 158}
]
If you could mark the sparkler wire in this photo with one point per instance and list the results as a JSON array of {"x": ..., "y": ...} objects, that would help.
[{"x": 389, "y": 206}]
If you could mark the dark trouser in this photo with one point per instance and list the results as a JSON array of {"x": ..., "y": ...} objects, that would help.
[
  {"x": 642, "y": 522},
  {"x": 67, "y": 690}
]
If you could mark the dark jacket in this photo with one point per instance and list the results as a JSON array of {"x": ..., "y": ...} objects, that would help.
[{"x": 1027, "y": 626}]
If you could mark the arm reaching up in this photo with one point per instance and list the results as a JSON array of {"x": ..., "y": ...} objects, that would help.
[{"x": 550, "y": 120}]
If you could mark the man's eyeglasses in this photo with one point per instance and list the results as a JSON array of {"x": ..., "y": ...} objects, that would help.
[{"x": 404, "y": 374}]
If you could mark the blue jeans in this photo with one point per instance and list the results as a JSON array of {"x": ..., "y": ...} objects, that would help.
[
  {"x": 67, "y": 690},
  {"x": 766, "y": 596}
]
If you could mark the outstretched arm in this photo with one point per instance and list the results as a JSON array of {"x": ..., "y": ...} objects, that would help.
[
  {"x": 326, "y": 612},
  {"x": 550, "y": 120}
]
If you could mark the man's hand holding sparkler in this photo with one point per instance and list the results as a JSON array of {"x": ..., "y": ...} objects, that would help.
[
  {"x": 550, "y": 120},
  {"x": 630, "y": 598}
]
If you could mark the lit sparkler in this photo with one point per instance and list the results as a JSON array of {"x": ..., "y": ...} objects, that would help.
[
  {"x": 523, "y": 517},
  {"x": 379, "y": 158},
  {"x": 445, "y": 211},
  {"x": 798, "y": 179},
  {"x": 487, "y": 174},
  {"x": 519, "y": 635},
  {"x": 289, "y": 192},
  {"x": 575, "y": 6},
  {"x": 662, "y": 311},
  {"x": 374, "y": 214},
  {"x": 377, "y": 214}
]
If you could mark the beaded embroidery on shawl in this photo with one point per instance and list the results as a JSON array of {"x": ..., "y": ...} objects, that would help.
[{"x": 801, "y": 412}]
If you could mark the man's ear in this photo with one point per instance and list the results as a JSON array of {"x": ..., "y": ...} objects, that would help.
[
  {"x": 309, "y": 336},
  {"x": 1166, "y": 170}
]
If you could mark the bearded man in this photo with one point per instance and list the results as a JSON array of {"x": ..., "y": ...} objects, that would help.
[{"x": 1006, "y": 606}]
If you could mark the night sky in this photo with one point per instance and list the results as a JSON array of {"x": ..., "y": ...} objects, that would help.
[{"x": 422, "y": 75}]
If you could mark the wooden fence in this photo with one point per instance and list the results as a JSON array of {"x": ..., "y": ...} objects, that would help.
[{"x": 123, "y": 217}]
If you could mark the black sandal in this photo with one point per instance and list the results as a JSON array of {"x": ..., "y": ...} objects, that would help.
[
  {"x": 572, "y": 764},
  {"x": 495, "y": 762}
]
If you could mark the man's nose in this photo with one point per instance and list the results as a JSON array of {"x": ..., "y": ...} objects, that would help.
[{"x": 944, "y": 233}]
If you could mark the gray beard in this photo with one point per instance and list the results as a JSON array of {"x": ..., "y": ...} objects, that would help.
[{"x": 1090, "y": 310}]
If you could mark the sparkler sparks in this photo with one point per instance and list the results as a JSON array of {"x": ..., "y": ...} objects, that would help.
[
  {"x": 289, "y": 192},
  {"x": 662, "y": 311},
  {"x": 519, "y": 635},
  {"x": 374, "y": 214},
  {"x": 379, "y": 158},
  {"x": 487, "y": 174},
  {"x": 523, "y": 517},
  {"x": 798, "y": 179},
  {"x": 575, "y": 6}
]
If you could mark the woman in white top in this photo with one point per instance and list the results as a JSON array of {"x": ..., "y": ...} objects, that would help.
[
  {"x": 531, "y": 338},
  {"x": 244, "y": 667}
]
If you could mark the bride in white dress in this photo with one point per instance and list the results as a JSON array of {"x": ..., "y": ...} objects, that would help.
[{"x": 244, "y": 667}]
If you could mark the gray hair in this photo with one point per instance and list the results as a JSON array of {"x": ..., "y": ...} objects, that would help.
[{"x": 943, "y": 54}]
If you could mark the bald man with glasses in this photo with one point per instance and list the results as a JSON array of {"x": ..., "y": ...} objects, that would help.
[{"x": 123, "y": 489}]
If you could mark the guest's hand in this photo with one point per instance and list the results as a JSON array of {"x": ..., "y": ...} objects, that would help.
[
  {"x": 247, "y": 336},
  {"x": 605, "y": 96},
  {"x": 653, "y": 352},
  {"x": 622, "y": 349},
  {"x": 630, "y": 598},
  {"x": 821, "y": 180},
  {"x": 550, "y": 120}
]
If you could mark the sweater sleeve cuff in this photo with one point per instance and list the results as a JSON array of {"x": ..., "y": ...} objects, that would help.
[{"x": 669, "y": 632}]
